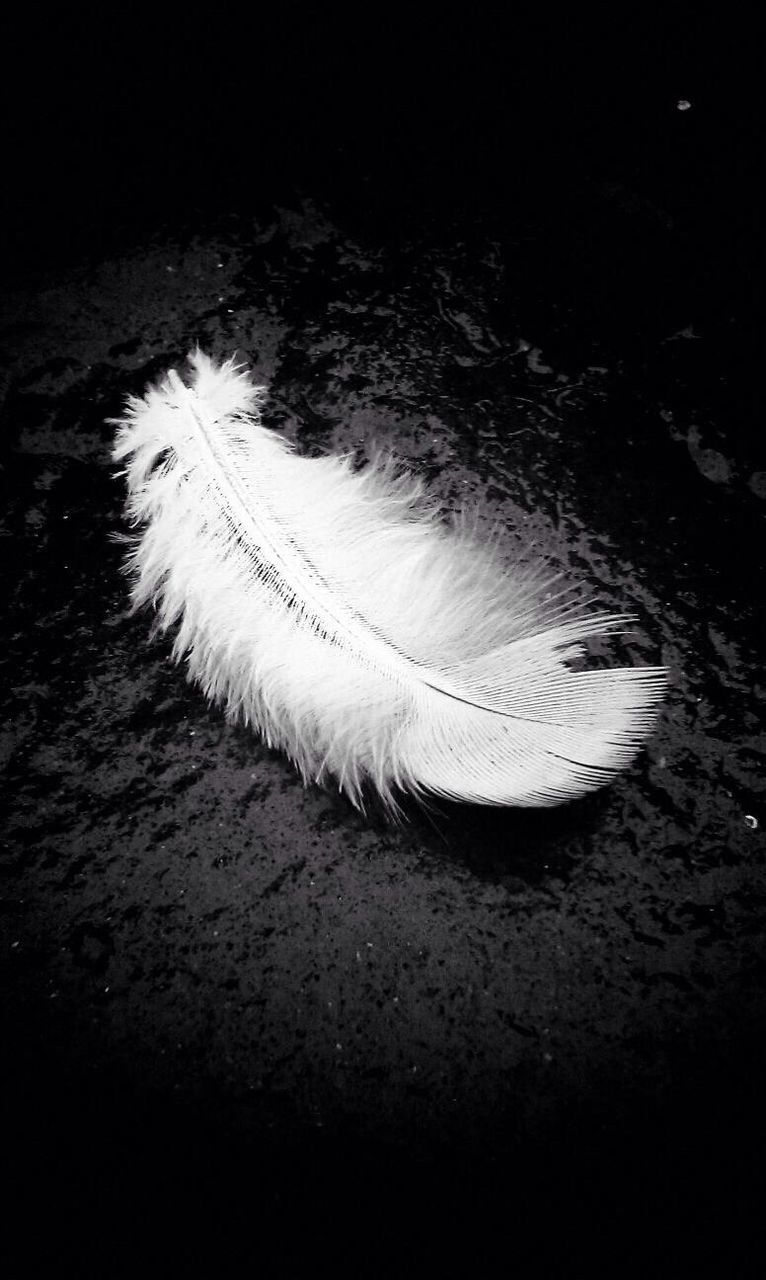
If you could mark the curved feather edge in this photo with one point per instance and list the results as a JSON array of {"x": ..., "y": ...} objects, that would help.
[{"x": 332, "y": 611}]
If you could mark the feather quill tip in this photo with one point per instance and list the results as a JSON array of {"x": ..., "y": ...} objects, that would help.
[{"x": 332, "y": 611}]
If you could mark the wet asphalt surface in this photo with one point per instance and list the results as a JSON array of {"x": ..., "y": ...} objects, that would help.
[{"x": 233, "y": 1004}]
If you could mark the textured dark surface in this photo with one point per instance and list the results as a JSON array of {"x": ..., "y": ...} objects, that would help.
[{"x": 227, "y": 996}]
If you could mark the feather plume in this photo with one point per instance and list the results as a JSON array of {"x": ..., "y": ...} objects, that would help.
[{"x": 333, "y": 611}]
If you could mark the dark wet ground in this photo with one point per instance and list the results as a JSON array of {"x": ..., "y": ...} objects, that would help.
[{"x": 239, "y": 1006}]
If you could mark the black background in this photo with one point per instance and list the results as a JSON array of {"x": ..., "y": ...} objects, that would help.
[{"x": 115, "y": 123}]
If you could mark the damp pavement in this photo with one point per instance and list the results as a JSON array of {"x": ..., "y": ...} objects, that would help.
[{"x": 223, "y": 990}]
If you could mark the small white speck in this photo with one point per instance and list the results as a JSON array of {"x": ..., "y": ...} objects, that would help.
[{"x": 750, "y": 821}]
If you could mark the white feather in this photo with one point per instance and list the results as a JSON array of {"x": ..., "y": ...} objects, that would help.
[{"x": 333, "y": 611}]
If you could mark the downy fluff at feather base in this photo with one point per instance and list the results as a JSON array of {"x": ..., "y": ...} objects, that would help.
[{"x": 333, "y": 611}]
